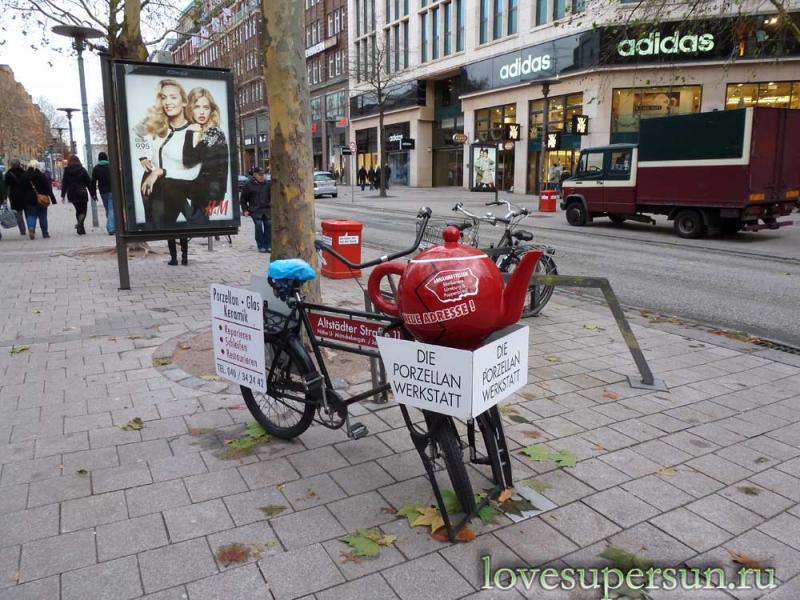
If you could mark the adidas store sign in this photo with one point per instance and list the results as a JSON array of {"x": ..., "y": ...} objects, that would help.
[
  {"x": 531, "y": 64},
  {"x": 676, "y": 43}
]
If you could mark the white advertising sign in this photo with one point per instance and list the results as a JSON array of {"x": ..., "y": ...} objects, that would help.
[
  {"x": 348, "y": 240},
  {"x": 237, "y": 326},
  {"x": 458, "y": 383}
]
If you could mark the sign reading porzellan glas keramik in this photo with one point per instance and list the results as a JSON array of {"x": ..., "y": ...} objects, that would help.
[
  {"x": 237, "y": 326},
  {"x": 458, "y": 383}
]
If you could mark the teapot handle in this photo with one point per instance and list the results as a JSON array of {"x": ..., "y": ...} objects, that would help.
[{"x": 374, "y": 287}]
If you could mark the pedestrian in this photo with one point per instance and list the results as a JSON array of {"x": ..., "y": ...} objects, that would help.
[
  {"x": 371, "y": 177},
  {"x": 256, "y": 203},
  {"x": 101, "y": 177},
  {"x": 34, "y": 210},
  {"x": 3, "y": 191},
  {"x": 19, "y": 192},
  {"x": 336, "y": 174},
  {"x": 362, "y": 177},
  {"x": 387, "y": 172},
  {"x": 74, "y": 185},
  {"x": 173, "y": 251}
]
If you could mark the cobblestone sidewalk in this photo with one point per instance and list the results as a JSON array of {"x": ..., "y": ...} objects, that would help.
[{"x": 89, "y": 510}]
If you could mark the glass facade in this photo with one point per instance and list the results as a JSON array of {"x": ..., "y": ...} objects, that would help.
[
  {"x": 776, "y": 94},
  {"x": 630, "y": 105},
  {"x": 489, "y": 122}
]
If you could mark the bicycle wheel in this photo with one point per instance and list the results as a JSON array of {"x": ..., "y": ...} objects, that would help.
[
  {"x": 287, "y": 409},
  {"x": 444, "y": 435},
  {"x": 494, "y": 439},
  {"x": 538, "y": 294}
]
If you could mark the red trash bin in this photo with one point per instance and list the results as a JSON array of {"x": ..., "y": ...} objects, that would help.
[
  {"x": 547, "y": 200},
  {"x": 345, "y": 237}
]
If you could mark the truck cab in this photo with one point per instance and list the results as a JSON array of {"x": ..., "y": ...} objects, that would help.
[{"x": 604, "y": 183}]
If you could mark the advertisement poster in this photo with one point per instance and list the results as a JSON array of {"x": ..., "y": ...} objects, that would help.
[
  {"x": 177, "y": 148},
  {"x": 483, "y": 172},
  {"x": 658, "y": 104}
]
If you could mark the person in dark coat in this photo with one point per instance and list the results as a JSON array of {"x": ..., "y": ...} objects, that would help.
[
  {"x": 33, "y": 210},
  {"x": 387, "y": 172},
  {"x": 74, "y": 185},
  {"x": 371, "y": 177},
  {"x": 20, "y": 191},
  {"x": 173, "y": 252},
  {"x": 362, "y": 177},
  {"x": 256, "y": 203},
  {"x": 205, "y": 144},
  {"x": 101, "y": 178}
]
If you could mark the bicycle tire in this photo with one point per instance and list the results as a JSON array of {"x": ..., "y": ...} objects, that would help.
[
  {"x": 445, "y": 435},
  {"x": 294, "y": 365},
  {"x": 494, "y": 440},
  {"x": 538, "y": 299}
]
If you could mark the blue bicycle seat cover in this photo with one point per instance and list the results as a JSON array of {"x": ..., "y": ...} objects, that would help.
[{"x": 291, "y": 268}]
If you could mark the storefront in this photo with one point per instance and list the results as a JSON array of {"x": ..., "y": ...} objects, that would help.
[
  {"x": 489, "y": 129},
  {"x": 255, "y": 142},
  {"x": 560, "y": 161},
  {"x": 448, "y": 154},
  {"x": 775, "y": 94}
]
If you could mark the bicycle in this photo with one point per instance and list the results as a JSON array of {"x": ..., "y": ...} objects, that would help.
[
  {"x": 300, "y": 390},
  {"x": 508, "y": 251}
]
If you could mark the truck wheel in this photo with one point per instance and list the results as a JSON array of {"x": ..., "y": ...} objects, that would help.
[
  {"x": 616, "y": 219},
  {"x": 576, "y": 214},
  {"x": 689, "y": 224}
]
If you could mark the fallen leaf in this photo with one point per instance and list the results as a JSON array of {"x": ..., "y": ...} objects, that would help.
[
  {"x": 740, "y": 558},
  {"x": 349, "y": 557},
  {"x": 623, "y": 560},
  {"x": 536, "y": 452},
  {"x": 451, "y": 503},
  {"x": 667, "y": 471},
  {"x": 552, "y": 359},
  {"x": 410, "y": 512},
  {"x": 609, "y": 395},
  {"x": 162, "y": 362},
  {"x": 593, "y": 328},
  {"x": 82, "y": 472},
  {"x": 429, "y": 515},
  {"x": 749, "y": 490},
  {"x": 388, "y": 510},
  {"x": 517, "y": 507},
  {"x": 184, "y": 346},
  {"x": 254, "y": 435},
  {"x": 465, "y": 534},
  {"x": 565, "y": 458},
  {"x": 599, "y": 448},
  {"x": 761, "y": 460},
  {"x": 36, "y": 311},
  {"x": 281, "y": 487},
  {"x": 311, "y": 494},
  {"x": 505, "y": 495},
  {"x": 529, "y": 395},
  {"x": 376, "y": 536},
  {"x": 519, "y": 419},
  {"x": 508, "y": 409},
  {"x": 233, "y": 553},
  {"x": 19, "y": 349},
  {"x": 135, "y": 424},
  {"x": 199, "y": 430},
  {"x": 532, "y": 434},
  {"x": 210, "y": 377},
  {"x": 367, "y": 542},
  {"x": 236, "y": 407},
  {"x": 488, "y": 514},
  {"x": 272, "y": 509},
  {"x": 537, "y": 485}
]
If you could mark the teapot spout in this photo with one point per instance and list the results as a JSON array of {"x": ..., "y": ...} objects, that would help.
[{"x": 517, "y": 288}]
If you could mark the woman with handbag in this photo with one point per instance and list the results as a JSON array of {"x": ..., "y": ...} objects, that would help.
[
  {"x": 42, "y": 197},
  {"x": 19, "y": 191},
  {"x": 75, "y": 186}
]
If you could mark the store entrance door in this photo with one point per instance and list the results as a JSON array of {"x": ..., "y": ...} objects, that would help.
[
  {"x": 398, "y": 164},
  {"x": 448, "y": 168}
]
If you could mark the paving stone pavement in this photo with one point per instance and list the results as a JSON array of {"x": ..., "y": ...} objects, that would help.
[{"x": 87, "y": 510}]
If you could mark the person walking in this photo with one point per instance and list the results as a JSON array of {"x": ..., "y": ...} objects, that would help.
[
  {"x": 101, "y": 178},
  {"x": 19, "y": 192},
  {"x": 3, "y": 191},
  {"x": 34, "y": 210},
  {"x": 256, "y": 203},
  {"x": 371, "y": 177},
  {"x": 173, "y": 251},
  {"x": 362, "y": 177},
  {"x": 74, "y": 185},
  {"x": 387, "y": 173}
]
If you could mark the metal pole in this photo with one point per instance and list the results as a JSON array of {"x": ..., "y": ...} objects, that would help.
[
  {"x": 115, "y": 171},
  {"x": 353, "y": 178},
  {"x": 79, "y": 45},
  {"x": 545, "y": 93},
  {"x": 72, "y": 148}
]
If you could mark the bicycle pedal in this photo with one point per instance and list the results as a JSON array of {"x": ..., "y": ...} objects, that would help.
[{"x": 358, "y": 431}]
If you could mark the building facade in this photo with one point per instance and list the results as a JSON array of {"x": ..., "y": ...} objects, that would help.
[
  {"x": 225, "y": 34},
  {"x": 469, "y": 68},
  {"x": 326, "y": 42}
]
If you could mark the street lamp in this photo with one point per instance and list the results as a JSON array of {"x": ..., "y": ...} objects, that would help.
[
  {"x": 79, "y": 36},
  {"x": 545, "y": 94},
  {"x": 72, "y": 148}
]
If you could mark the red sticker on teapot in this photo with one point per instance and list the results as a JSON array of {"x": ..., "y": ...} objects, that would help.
[{"x": 453, "y": 285}]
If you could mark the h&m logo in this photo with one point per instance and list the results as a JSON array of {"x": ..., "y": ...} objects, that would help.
[{"x": 669, "y": 44}]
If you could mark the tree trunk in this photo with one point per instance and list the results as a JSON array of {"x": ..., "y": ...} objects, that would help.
[
  {"x": 291, "y": 163},
  {"x": 384, "y": 159},
  {"x": 129, "y": 43}
]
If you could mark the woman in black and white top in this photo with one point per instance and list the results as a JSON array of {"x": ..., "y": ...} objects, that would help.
[{"x": 167, "y": 182}]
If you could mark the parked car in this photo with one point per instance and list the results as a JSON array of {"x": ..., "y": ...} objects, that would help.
[
  {"x": 324, "y": 184},
  {"x": 723, "y": 171}
]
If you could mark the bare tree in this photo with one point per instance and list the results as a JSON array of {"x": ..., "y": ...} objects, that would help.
[
  {"x": 291, "y": 163},
  {"x": 97, "y": 121},
  {"x": 376, "y": 77},
  {"x": 54, "y": 118}
]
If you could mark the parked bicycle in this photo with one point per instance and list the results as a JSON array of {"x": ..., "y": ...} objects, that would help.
[
  {"x": 300, "y": 390},
  {"x": 508, "y": 251}
]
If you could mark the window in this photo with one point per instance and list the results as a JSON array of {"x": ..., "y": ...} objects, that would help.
[
  {"x": 315, "y": 105},
  {"x": 559, "y": 118},
  {"x": 578, "y": 6},
  {"x": 435, "y": 31},
  {"x": 559, "y": 9},
  {"x": 358, "y": 18},
  {"x": 459, "y": 25},
  {"x": 308, "y": 37},
  {"x": 397, "y": 47},
  {"x": 387, "y": 50},
  {"x": 629, "y": 106},
  {"x": 331, "y": 59},
  {"x": 489, "y": 121},
  {"x": 405, "y": 44},
  {"x": 512, "y": 16},
  {"x": 334, "y": 105},
  {"x": 330, "y": 25},
  {"x": 405, "y": 7},
  {"x": 619, "y": 167},
  {"x": 591, "y": 164},
  {"x": 423, "y": 28},
  {"x": 337, "y": 21},
  {"x": 780, "y": 94},
  {"x": 338, "y": 62},
  {"x": 448, "y": 27},
  {"x": 498, "y": 19},
  {"x": 484, "y": 21}
]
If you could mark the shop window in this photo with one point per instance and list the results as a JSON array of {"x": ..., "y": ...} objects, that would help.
[
  {"x": 489, "y": 121},
  {"x": 559, "y": 118},
  {"x": 629, "y": 106},
  {"x": 781, "y": 94},
  {"x": 619, "y": 166}
]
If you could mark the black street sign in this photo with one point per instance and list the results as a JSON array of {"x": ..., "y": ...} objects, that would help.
[
  {"x": 346, "y": 151},
  {"x": 407, "y": 144},
  {"x": 580, "y": 124},
  {"x": 553, "y": 140},
  {"x": 512, "y": 132}
]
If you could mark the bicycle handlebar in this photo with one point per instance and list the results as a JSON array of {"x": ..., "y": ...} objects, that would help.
[{"x": 424, "y": 214}]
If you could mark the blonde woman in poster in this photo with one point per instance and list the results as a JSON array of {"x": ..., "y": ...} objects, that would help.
[
  {"x": 167, "y": 182},
  {"x": 205, "y": 146}
]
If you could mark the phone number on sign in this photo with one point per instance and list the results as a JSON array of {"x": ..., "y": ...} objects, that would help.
[{"x": 240, "y": 377}]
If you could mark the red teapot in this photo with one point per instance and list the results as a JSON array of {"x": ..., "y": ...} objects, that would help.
[{"x": 452, "y": 294}]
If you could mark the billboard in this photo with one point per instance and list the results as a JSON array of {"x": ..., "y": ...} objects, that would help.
[
  {"x": 177, "y": 146},
  {"x": 483, "y": 168}
]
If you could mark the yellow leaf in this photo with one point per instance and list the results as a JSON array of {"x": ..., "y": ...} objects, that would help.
[
  {"x": 429, "y": 516},
  {"x": 505, "y": 495}
]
